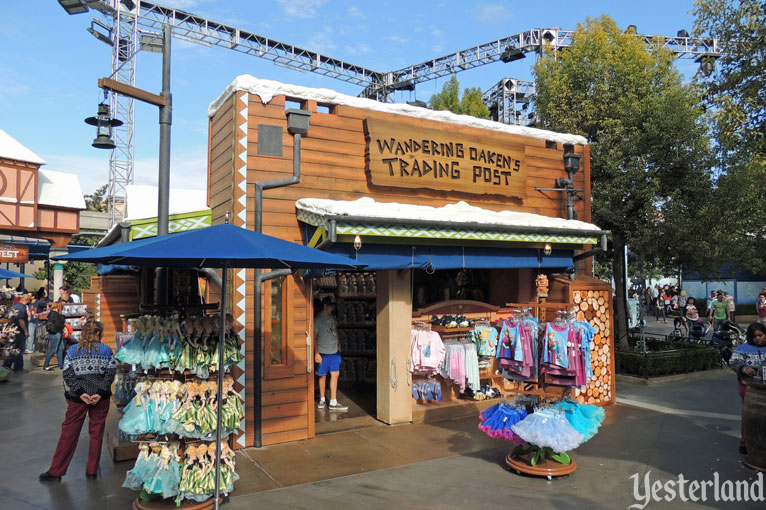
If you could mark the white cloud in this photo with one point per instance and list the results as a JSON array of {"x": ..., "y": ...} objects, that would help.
[
  {"x": 301, "y": 8},
  {"x": 188, "y": 171},
  {"x": 398, "y": 39},
  {"x": 491, "y": 13},
  {"x": 359, "y": 49},
  {"x": 354, "y": 12},
  {"x": 321, "y": 42}
]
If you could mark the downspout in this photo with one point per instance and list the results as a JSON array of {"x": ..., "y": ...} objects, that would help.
[{"x": 297, "y": 125}]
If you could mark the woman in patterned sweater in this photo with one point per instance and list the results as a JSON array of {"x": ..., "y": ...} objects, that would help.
[
  {"x": 748, "y": 361},
  {"x": 89, "y": 370}
]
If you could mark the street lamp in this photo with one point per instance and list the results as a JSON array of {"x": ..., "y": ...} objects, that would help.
[{"x": 104, "y": 124}]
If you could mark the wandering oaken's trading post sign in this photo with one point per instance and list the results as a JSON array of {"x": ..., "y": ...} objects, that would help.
[{"x": 402, "y": 155}]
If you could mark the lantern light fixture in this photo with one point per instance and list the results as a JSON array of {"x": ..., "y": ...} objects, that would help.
[
  {"x": 104, "y": 124},
  {"x": 547, "y": 249},
  {"x": 357, "y": 243}
]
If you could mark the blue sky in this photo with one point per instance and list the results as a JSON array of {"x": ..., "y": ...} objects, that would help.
[{"x": 49, "y": 64}]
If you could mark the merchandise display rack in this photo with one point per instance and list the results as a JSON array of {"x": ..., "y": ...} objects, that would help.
[
  {"x": 355, "y": 295},
  {"x": 124, "y": 447}
]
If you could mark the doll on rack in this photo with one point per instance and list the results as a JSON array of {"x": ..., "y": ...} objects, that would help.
[
  {"x": 136, "y": 418},
  {"x": 165, "y": 478}
]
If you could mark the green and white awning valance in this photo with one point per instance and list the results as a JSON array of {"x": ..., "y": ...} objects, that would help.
[
  {"x": 465, "y": 222},
  {"x": 140, "y": 229}
]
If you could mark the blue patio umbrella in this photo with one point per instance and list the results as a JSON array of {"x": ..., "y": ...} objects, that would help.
[
  {"x": 221, "y": 246},
  {"x": 4, "y": 273}
]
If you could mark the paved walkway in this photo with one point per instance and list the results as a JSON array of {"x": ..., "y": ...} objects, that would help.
[{"x": 689, "y": 427}]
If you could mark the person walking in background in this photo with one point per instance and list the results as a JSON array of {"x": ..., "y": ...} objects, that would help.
[
  {"x": 55, "y": 327},
  {"x": 732, "y": 306},
  {"x": 20, "y": 320},
  {"x": 659, "y": 309},
  {"x": 34, "y": 310},
  {"x": 760, "y": 307},
  {"x": 328, "y": 354},
  {"x": 89, "y": 370},
  {"x": 719, "y": 311},
  {"x": 747, "y": 361},
  {"x": 65, "y": 295},
  {"x": 710, "y": 300}
]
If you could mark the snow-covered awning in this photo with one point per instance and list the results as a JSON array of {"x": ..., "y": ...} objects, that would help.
[{"x": 459, "y": 221}]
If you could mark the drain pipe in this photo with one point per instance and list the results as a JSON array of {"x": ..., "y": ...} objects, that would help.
[{"x": 297, "y": 125}]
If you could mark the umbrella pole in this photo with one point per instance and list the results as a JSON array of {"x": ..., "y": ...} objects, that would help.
[{"x": 219, "y": 395}]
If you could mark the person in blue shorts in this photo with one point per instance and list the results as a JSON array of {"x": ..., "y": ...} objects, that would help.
[{"x": 327, "y": 354}]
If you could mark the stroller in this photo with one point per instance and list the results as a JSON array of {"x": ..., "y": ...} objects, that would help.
[
  {"x": 727, "y": 338},
  {"x": 691, "y": 330}
]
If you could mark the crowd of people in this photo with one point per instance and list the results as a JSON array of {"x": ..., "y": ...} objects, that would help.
[{"x": 26, "y": 316}]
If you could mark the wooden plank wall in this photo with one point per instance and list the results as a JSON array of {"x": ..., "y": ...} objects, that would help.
[
  {"x": 108, "y": 298},
  {"x": 333, "y": 166}
]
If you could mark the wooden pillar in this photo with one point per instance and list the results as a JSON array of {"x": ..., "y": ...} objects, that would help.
[{"x": 394, "y": 307}]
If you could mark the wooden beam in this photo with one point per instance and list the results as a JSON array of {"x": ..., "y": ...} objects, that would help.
[{"x": 130, "y": 91}]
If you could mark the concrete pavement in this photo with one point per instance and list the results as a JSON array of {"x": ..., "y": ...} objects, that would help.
[{"x": 689, "y": 427}]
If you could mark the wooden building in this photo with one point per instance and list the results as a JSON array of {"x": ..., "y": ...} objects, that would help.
[
  {"x": 440, "y": 193},
  {"x": 36, "y": 203}
]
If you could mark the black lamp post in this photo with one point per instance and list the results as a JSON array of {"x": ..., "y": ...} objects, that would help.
[{"x": 104, "y": 124}]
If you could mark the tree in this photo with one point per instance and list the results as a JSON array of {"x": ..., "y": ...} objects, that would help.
[
  {"x": 449, "y": 99},
  {"x": 736, "y": 93},
  {"x": 97, "y": 201},
  {"x": 648, "y": 140}
]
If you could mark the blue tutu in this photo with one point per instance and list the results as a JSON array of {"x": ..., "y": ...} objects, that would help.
[
  {"x": 547, "y": 427},
  {"x": 584, "y": 418},
  {"x": 498, "y": 420}
]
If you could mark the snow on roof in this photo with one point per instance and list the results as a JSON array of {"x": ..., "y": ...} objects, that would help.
[
  {"x": 460, "y": 212},
  {"x": 10, "y": 148},
  {"x": 59, "y": 189},
  {"x": 267, "y": 89},
  {"x": 142, "y": 201}
]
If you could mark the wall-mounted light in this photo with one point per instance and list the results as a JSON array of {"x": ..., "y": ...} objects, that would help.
[
  {"x": 104, "y": 124},
  {"x": 547, "y": 250},
  {"x": 357, "y": 243}
]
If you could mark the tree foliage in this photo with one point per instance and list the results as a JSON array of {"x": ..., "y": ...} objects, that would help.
[
  {"x": 736, "y": 94},
  {"x": 449, "y": 99},
  {"x": 648, "y": 140},
  {"x": 97, "y": 201}
]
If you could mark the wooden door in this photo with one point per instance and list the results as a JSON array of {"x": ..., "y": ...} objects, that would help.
[{"x": 288, "y": 410}]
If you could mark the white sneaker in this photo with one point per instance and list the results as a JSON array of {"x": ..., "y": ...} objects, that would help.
[
  {"x": 321, "y": 404},
  {"x": 28, "y": 352},
  {"x": 337, "y": 406}
]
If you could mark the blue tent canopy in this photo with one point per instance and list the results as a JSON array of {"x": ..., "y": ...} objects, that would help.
[
  {"x": 216, "y": 247},
  {"x": 4, "y": 273},
  {"x": 400, "y": 256}
]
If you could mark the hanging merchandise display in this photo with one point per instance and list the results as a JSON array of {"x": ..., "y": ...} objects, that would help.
[
  {"x": 173, "y": 406},
  {"x": 517, "y": 348}
]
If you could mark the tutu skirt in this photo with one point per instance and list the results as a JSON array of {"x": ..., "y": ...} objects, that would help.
[
  {"x": 497, "y": 422},
  {"x": 584, "y": 418},
  {"x": 549, "y": 428}
]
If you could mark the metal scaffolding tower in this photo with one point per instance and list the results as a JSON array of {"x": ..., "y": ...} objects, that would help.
[{"x": 130, "y": 25}]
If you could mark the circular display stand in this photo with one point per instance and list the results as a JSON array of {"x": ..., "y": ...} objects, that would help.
[
  {"x": 753, "y": 465},
  {"x": 168, "y": 504},
  {"x": 546, "y": 468}
]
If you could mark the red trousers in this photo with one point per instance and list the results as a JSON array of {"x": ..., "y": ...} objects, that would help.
[{"x": 70, "y": 433}]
